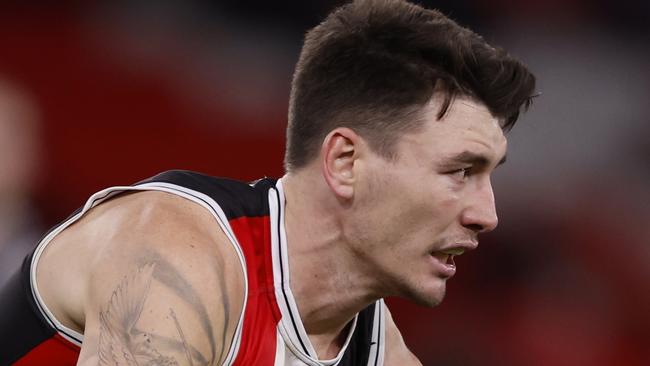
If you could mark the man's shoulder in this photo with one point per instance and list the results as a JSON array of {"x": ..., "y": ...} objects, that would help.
[
  {"x": 136, "y": 230},
  {"x": 168, "y": 254},
  {"x": 156, "y": 220},
  {"x": 164, "y": 215}
]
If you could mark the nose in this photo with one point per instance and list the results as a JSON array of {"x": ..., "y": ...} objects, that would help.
[{"x": 480, "y": 214}]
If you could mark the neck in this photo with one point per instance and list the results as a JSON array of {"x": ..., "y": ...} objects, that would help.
[{"x": 328, "y": 281}]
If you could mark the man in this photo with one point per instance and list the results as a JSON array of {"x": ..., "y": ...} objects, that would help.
[{"x": 396, "y": 121}]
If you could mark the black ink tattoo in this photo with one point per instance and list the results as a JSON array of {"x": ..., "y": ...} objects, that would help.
[
  {"x": 226, "y": 306},
  {"x": 167, "y": 275},
  {"x": 180, "y": 333},
  {"x": 173, "y": 345},
  {"x": 120, "y": 343}
]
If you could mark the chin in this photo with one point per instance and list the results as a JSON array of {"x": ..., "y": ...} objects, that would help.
[{"x": 427, "y": 296}]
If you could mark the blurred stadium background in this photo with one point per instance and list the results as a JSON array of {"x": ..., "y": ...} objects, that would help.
[{"x": 94, "y": 94}]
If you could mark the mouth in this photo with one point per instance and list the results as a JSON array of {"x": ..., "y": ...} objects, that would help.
[
  {"x": 444, "y": 260},
  {"x": 447, "y": 256}
]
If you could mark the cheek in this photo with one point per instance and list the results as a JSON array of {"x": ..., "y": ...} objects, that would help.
[
  {"x": 386, "y": 209},
  {"x": 436, "y": 207},
  {"x": 400, "y": 206},
  {"x": 420, "y": 195}
]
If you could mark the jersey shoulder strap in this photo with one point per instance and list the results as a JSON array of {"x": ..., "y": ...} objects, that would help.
[{"x": 236, "y": 199}]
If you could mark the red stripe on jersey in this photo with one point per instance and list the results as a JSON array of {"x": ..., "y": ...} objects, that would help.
[
  {"x": 55, "y": 351},
  {"x": 258, "y": 342}
]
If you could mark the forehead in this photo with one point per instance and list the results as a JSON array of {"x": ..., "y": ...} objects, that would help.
[{"x": 467, "y": 125}]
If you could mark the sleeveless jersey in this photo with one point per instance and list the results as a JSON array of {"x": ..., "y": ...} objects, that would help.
[{"x": 270, "y": 331}]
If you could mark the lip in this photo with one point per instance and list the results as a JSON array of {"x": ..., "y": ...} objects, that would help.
[
  {"x": 465, "y": 245},
  {"x": 446, "y": 270},
  {"x": 444, "y": 262}
]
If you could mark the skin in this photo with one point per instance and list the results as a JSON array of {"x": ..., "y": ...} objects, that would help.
[
  {"x": 363, "y": 248},
  {"x": 140, "y": 276},
  {"x": 145, "y": 277}
]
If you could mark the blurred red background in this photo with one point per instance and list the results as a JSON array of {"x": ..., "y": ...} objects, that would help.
[{"x": 120, "y": 91}]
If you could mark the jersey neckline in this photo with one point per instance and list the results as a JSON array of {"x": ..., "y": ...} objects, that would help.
[{"x": 290, "y": 326}]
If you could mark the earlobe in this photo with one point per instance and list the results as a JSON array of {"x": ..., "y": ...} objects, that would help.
[{"x": 339, "y": 152}]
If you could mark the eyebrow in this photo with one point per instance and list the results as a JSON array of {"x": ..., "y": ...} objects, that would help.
[{"x": 472, "y": 158}]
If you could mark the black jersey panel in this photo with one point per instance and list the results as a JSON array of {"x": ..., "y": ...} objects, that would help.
[
  {"x": 22, "y": 327},
  {"x": 358, "y": 351},
  {"x": 237, "y": 199}
]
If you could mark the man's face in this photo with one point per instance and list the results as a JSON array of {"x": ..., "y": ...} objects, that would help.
[{"x": 418, "y": 210}]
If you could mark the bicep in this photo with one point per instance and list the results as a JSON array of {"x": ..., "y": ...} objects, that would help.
[{"x": 164, "y": 309}]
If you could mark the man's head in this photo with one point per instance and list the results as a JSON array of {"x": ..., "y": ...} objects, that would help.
[
  {"x": 398, "y": 115},
  {"x": 372, "y": 66}
]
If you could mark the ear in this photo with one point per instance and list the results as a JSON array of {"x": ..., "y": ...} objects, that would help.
[{"x": 340, "y": 150}]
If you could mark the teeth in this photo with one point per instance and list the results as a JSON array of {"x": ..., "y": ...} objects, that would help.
[{"x": 453, "y": 251}]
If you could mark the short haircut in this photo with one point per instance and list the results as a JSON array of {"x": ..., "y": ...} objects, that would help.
[{"x": 372, "y": 65}]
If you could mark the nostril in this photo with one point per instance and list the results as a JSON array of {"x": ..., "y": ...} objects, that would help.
[{"x": 475, "y": 227}]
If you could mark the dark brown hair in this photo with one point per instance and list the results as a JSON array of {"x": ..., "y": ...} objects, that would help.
[{"x": 372, "y": 65}]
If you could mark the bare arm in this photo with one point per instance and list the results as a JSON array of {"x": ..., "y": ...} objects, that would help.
[
  {"x": 397, "y": 354},
  {"x": 163, "y": 292}
]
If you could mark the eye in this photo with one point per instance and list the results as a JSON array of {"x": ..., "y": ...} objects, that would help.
[{"x": 461, "y": 174}]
